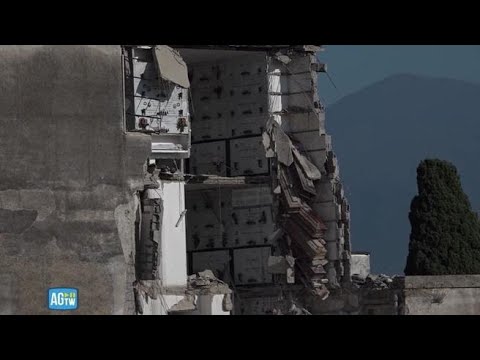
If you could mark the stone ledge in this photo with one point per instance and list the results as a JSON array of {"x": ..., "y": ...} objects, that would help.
[{"x": 442, "y": 281}]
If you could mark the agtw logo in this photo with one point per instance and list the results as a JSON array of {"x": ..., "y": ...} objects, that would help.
[{"x": 62, "y": 299}]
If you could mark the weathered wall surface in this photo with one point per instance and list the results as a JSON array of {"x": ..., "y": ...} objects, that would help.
[
  {"x": 68, "y": 173},
  {"x": 442, "y": 295},
  {"x": 411, "y": 295}
]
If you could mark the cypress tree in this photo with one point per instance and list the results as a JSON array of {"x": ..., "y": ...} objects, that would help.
[{"x": 445, "y": 235}]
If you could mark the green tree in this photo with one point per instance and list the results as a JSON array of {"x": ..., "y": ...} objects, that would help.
[{"x": 445, "y": 236}]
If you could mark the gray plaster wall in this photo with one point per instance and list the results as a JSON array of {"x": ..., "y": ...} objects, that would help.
[
  {"x": 68, "y": 174},
  {"x": 442, "y": 295}
]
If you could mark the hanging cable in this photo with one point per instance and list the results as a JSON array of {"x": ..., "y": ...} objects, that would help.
[{"x": 331, "y": 80}]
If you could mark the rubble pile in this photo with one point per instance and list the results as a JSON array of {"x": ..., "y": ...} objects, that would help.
[
  {"x": 379, "y": 282},
  {"x": 205, "y": 282},
  {"x": 304, "y": 229}
]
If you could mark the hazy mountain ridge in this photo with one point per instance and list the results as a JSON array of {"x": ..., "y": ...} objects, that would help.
[{"x": 381, "y": 133}]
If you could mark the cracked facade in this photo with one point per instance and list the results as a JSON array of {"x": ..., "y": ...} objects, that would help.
[{"x": 247, "y": 198}]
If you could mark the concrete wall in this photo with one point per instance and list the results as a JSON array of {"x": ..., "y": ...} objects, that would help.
[
  {"x": 360, "y": 265},
  {"x": 442, "y": 295},
  {"x": 412, "y": 295},
  {"x": 68, "y": 174}
]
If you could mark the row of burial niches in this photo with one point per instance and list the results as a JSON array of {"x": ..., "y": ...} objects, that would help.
[
  {"x": 228, "y": 229},
  {"x": 229, "y": 232},
  {"x": 155, "y": 105},
  {"x": 229, "y": 107}
]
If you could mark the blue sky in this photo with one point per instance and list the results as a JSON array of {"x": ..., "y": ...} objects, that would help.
[
  {"x": 357, "y": 66},
  {"x": 353, "y": 67}
]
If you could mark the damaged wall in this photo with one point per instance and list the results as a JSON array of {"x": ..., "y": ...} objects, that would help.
[
  {"x": 410, "y": 295},
  {"x": 70, "y": 171},
  {"x": 253, "y": 116},
  {"x": 203, "y": 294},
  {"x": 68, "y": 174},
  {"x": 157, "y": 104},
  {"x": 373, "y": 295},
  {"x": 317, "y": 212},
  {"x": 442, "y": 295}
]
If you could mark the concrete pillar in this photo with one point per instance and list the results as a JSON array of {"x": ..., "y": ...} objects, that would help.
[{"x": 173, "y": 248}]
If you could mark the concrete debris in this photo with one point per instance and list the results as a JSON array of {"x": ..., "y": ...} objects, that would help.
[
  {"x": 150, "y": 180},
  {"x": 268, "y": 139},
  {"x": 284, "y": 59},
  {"x": 310, "y": 169},
  {"x": 171, "y": 66},
  {"x": 269, "y": 126},
  {"x": 205, "y": 283},
  {"x": 301, "y": 182},
  {"x": 296, "y": 310},
  {"x": 320, "y": 262},
  {"x": 291, "y": 275},
  {"x": 270, "y": 153},
  {"x": 302, "y": 224},
  {"x": 290, "y": 260},
  {"x": 227, "y": 303},
  {"x": 186, "y": 304},
  {"x": 310, "y": 222},
  {"x": 207, "y": 274},
  {"x": 267, "y": 143},
  {"x": 312, "y": 48},
  {"x": 283, "y": 147},
  {"x": 322, "y": 292},
  {"x": 138, "y": 302},
  {"x": 310, "y": 248},
  {"x": 374, "y": 281},
  {"x": 279, "y": 264},
  {"x": 147, "y": 288}
]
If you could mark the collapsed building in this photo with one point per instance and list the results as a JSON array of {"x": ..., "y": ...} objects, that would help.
[
  {"x": 241, "y": 130},
  {"x": 245, "y": 213}
]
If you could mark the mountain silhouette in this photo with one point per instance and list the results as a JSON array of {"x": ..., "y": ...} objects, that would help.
[{"x": 381, "y": 133}]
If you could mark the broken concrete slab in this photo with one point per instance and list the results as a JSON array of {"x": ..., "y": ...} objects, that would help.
[
  {"x": 284, "y": 59},
  {"x": 171, "y": 66},
  {"x": 207, "y": 274},
  {"x": 186, "y": 304},
  {"x": 227, "y": 304},
  {"x": 311, "y": 171},
  {"x": 283, "y": 147},
  {"x": 277, "y": 265}
]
